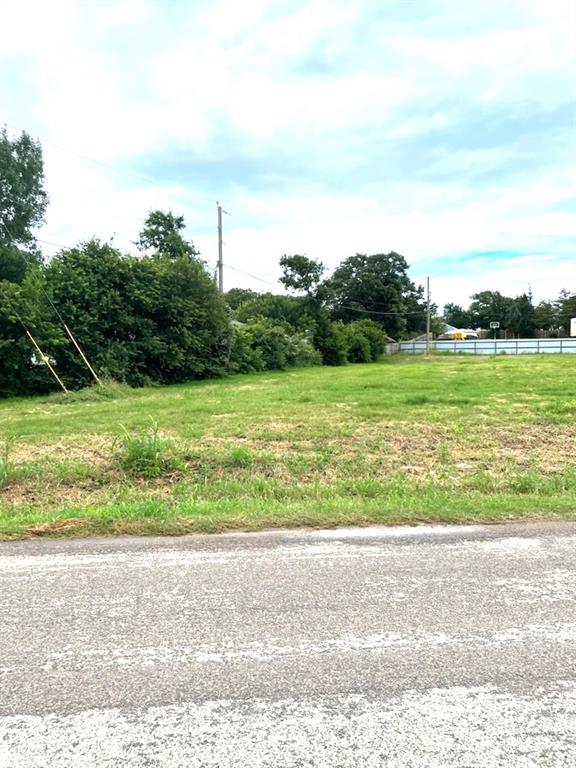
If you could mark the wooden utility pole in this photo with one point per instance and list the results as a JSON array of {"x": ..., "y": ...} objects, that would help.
[
  {"x": 220, "y": 262},
  {"x": 428, "y": 315}
]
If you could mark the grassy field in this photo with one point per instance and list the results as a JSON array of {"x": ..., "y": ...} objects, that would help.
[{"x": 406, "y": 440}]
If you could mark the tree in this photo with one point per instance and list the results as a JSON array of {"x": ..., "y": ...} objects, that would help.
[
  {"x": 23, "y": 306},
  {"x": 236, "y": 296},
  {"x": 301, "y": 273},
  {"x": 141, "y": 320},
  {"x": 23, "y": 203},
  {"x": 161, "y": 234},
  {"x": 546, "y": 316},
  {"x": 455, "y": 315},
  {"x": 378, "y": 287},
  {"x": 23, "y": 199},
  {"x": 520, "y": 317},
  {"x": 489, "y": 306},
  {"x": 290, "y": 311},
  {"x": 14, "y": 261},
  {"x": 566, "y": 308}
]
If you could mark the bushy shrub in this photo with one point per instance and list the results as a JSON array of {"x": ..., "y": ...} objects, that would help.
[
  {"x": 358, "y": 345},
  {"x": 264, "y": 345},
  {"x": 366, "y": 341},
  {"x": 301, "y": 351},
  {"x": 244, "y": 357},
  {"x": 377, "y": 338},
  {"x": 272, "y": 342},
  {"x": 331, "y": 341}
]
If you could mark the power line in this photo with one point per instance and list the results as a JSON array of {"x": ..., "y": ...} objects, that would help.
[
  {"x": 96, "y": 161},
  {"x": 374, "y": 312},
  {"x": 340, "y": 306},
  {"x": 59, "y": 316},
  {"x": 254, "y": 277},
  {"x": 158, "y": 184},
  {"x": 45, "y": 359}
]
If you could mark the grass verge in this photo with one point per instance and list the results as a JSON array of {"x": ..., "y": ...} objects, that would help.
[{"x": 406, "y": 440}]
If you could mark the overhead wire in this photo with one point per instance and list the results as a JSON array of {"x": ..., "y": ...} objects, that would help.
[
  {"x": 45, "y": 359},
  {"x": 340, "y": 306},
  {"x": 159, "y": 184},
  {"x": 59, "y": 316}
]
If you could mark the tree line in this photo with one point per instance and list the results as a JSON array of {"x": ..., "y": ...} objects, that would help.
[
  {"x": 157, "y": 317},
  {"x": 518, "y": 316}
]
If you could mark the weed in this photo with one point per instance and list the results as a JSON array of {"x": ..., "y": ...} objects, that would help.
[
  {"x": 240, "y": 457},
  {"x": 443, "y": 454},
  {"x": 6, "y": 468},
  {"x": 405, "y": 439},
  {"x": 148, "y": 453},
  {"x": 108, "y": 389}
]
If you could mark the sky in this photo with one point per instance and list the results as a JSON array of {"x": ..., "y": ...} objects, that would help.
[{"x": 441, "y": 129}]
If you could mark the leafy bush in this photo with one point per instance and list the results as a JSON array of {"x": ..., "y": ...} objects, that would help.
[
  {"x": 265, "y": 345},
  {"x": 358, "y": 345},
  {"x": 272, "y": 342},
  {"x": 331, "y": 341},
  {"x": 244, "y": 357},
  {"x": 301, "y": 351},
  {"x": 374, "y": 334},
  {"x": 148, "y": 454},
  {"x": 156, "y": 318}
]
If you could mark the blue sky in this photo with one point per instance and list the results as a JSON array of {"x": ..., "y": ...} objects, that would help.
[{"x": 440, "y": 129}]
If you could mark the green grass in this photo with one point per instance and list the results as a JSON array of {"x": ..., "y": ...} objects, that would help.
[{"x": 454, "y": 439}]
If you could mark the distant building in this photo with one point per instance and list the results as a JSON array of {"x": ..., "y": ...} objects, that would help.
[{"x": 451, "y": 333}]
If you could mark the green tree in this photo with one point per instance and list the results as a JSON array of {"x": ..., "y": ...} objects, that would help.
[
  {"x": 520, "y": 317},
  {"x": 23, "y": 199},
  {"x": 455, "y": 315},
  {"x": 378, "y": 287},
  {"x": 375, "y": 337},
  {"x": 162, "y": 234},
  {"x": 23, "y": 306},
  {"x": 489, "y": 306},
  {"x": 546, "y": 316},
  {"x": 301, "y": 274},
  {"x": 155, "y": 318},
  {"x": 23, "y": 202},
  {"x": 236, "y": 296},
  {"x": 290, "y": 311},
  {"x": 14, "y": 261},
  {"x": 566, "y": 304}
]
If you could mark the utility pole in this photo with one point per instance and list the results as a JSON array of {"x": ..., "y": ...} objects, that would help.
[
  {"x": 428, "y": 315},
  {"x": 220, "y": 262}
]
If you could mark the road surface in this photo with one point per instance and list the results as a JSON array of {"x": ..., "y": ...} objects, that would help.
[{"x": 398, "y": 647}]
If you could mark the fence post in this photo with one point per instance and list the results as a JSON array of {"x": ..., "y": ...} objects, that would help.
[
  {"x": 561, "y": 346},
  {"x": 538, "y": 346}
]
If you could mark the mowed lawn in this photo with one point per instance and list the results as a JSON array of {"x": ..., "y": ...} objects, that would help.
[{"x": 405, "y": 440}]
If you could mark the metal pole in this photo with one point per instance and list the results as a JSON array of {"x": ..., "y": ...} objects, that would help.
[
  {"x": 428, "y": 315},
  {"x": 220, "y": 262}
]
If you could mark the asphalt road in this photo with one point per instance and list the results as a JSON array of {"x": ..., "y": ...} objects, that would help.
[{"x": 376, "y": 647}]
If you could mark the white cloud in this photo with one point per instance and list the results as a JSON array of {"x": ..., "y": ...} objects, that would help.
[{"x": 346, "y": 94}]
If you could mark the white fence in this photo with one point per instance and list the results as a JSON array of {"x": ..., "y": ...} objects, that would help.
[{"x": 494, "y": 346}]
